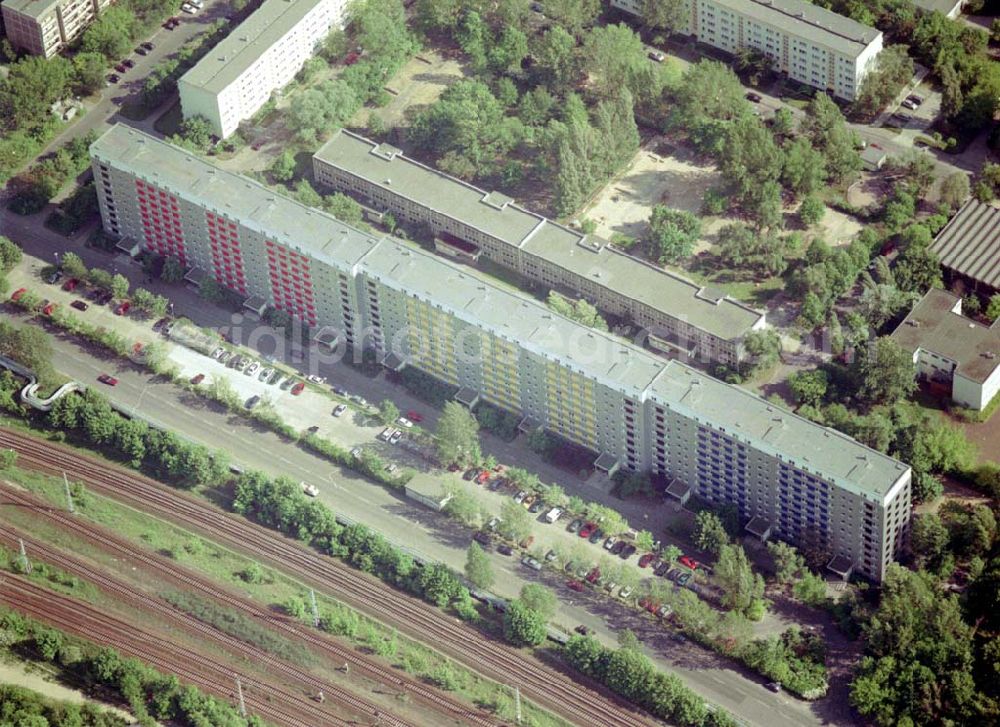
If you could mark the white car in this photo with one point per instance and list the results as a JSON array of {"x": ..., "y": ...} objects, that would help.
[
  {"x": 610, "y": 542},
  {"x": 519, "y": 497},
  {"x": 189, "y": 8},
  {"x": 316, "y": 379},
  {"x": 339, "y": 409},
  {"x": 552, "y": 515},
  {"x": 396, "y": 436},
  {"x": 386, "y": 434},
  {"x": 252, "y": 369},
  {"x": 217, "y": 352},
  {"x": 404, "y": 422},
  {"x": 625, "y": 592},
  {"x": 356, "y": 453},
  {"x": 310, "y": 490}
]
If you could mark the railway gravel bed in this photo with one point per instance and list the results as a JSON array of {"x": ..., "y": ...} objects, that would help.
[
  {"x": 550, "y": 688},
  {"x": 450, "y": 711}
]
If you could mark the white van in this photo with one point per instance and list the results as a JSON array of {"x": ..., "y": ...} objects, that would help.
[{"x": 552, "y": 515}]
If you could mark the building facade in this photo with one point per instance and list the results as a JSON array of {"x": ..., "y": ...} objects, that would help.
[
  {"x": 44, "y": 27},
  {"x": 468, "y": 223},
  {"x": 954, "y": 356},
  {"x": 805, "y": 483},
  {"x": 807, "y": 43},
  {"x": 259, "y": 56}
]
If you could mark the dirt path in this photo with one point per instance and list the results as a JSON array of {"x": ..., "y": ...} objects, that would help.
[{"x": 21, "y": 675}]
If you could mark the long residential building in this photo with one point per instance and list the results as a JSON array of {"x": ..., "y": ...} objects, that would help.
[
  {"x": 262, "y": 54},
  {"x": 677, "y": 314},
  {"x": 790, "y": 478},
  {"x": 45, "y": 27},
  {"x": 806, "y": 42}
]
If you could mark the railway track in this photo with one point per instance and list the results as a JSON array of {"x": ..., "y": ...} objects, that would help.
[
  {"x": 76, "y": 617},
  {"x": 450, "y": 709},
  {"x": 540, "y": 683}
]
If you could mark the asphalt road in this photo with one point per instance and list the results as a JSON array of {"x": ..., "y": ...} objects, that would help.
[{"x": 436, "y": 537}]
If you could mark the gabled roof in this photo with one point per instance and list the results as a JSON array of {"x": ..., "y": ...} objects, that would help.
[{"x": 970, "y": 243}]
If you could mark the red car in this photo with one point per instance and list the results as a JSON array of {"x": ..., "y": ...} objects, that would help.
[
  {"x": 47, "y": 310},
  {"x": 594, "y": 575},
  {"x": 109, "y": 380},
  {"x": 16, "y": 295},
  {"x": 587, "y": 529},
  {"x": 645, "y": 560},
  {"x": 575, "y": 586},
  {"x": 297, "y": 389},
  {"x": 482, "y": 477},
  {"x": 351, "y": 58},
  {"x": 687, "y": 560},
  {"x": 123, "y": 308},
  {"x": 71, "y": 284},
  {"x": 414, "y": 416},
  {"x": 197, "y": 378}
]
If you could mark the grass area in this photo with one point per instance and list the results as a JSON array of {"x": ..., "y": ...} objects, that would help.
[
  {"x": 270, "y": 587},
  {"x": 751, "y": 291}
]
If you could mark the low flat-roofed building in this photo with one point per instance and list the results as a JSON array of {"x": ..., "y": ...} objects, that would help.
[
  {"x": 469, "y": 222},
  {"x": 969, "y": 248},
  {"x": 44, "y": 27},
  {"x": 259, "y": 56},
  {"x": 949, "y": 8},
  {"x": 953, "y": 354}
]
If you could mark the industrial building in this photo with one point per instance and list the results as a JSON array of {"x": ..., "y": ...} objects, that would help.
[
  {"x": 45, "y": 27},
  {"x": 954, "y": 355},
  {"x": 789, "y": 477},
  {"x": 968, "y": 248},
  {"x": 807, "y": 43},
  {"x": 677, "y": 315},
  {"x": 261, "y": 55}
]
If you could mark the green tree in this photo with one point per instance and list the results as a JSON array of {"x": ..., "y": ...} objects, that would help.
[
  {"x": 709, "y": 534},
  {"x": 457, "y": 435},
  {"x": 809, "y": 387},
  {"x": 478, "y": 568},
  {"x": 615, "y": 58},
  {"x": 803, "y": 168},
  {"x": 928, "y": 539},
  {"x": 666, "y": 15},
  {"x": 644, "y": 540},
  {"x": 321, "y": 110},
  {"x": 826, "y": 127},
  {"x": 515, "y": 522},
  {"x": 573, "y": 15},
  {"x": 539, "y": 599},
  {"x": 788, "y": 562},
  {"x": 555, "y": 57},
  {"x": 812, "y": 210},
  {"x": 119, "y": 286},
  {"x": 955, "y": 189},
  {"x": 173, "y": 270},
  {"x": 112, "y": 33},
  {"x": 741, "y": 587},
  {"x": 885, "y": 373},
  {"x": 523, "y": 626},
  {"x": 283, "y": 166},
  {"x": 811, "y": 589},
  {"x": 347, "y": 210},
  {"x": 674, "y": 232},
  {"x": 388, "y": 412},
  {"x": 73, "y": 266},
  {"x": 992, "y": 311},
  {"x": 88, "y": 72}
]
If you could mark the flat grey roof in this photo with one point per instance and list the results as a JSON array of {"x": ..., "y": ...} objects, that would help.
[
  {"x": 970, "y": 243},
  {"x": 251, "y": 203},
  {"x": 933, "y": 325},
  {"x": 587, "y": 256},
  {"x": 247, "y": 42},
  {"x": 819, "y": 25},
  {"x": 513, "y": 316},
  {"x": 744, "y": 416},
  {"x": 32, "y": 8},
  {"x": 945, "y": 7}
]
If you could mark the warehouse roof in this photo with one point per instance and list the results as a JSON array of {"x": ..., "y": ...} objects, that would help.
[
  {"x": 746, "y": 417},
  {"x": 819, "y": 25},
  {"x": 252, "y": 204},
  {"x": 970, "y": 243},
  {"x": 936, "y": 324},
  {"x": 246, "y": 43},
  {"x": 496, "y": 215},
  {"x": 32, "y": 8}
]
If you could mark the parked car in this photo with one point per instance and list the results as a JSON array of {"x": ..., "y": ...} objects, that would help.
[
  {"x": 587, "y": 529},
  {"x": 482, "y": 477},
  {"x": 646, "y": 559},
  {"x": 252, "y": 401},
  {"x": 147, "y": 45},
  {"x": 396, "y": 436},
  {"x": 123, "y": 308},
  {"x": 658, "y": 56},
  {"x": 594, "y": 576},
  {"x": 356, "y": 453},
  {"x": 610, "y": 542},
  {"x": 520, "y": 496},
  {"x": 310, "y": 490},
  {"x": 79, "y": 305},
  {"x": 552, "y": 515},
  {"x": 16, "y": 295},
  {"x": 109, "y": 380},
  {"x": 683, "y": 579},
  {"x": 189, "y": 8},
  {"x": 316, "y": 379},
  {"x": 595, "y": 537},
  {"x": 482, "y": 538},
  {"x": 618, "y": 547},
  {"x": 385, "y": 434},
  {"x": 70, "y": 285},
  {"x": 112, "y": 78},
  {"x": 251, "y": 369},
  {"x": 625, "y": 592},
  {"x": 197, "y": 378},
  {"x": 582, "y": 630},
  {"x": 575, "y": 586},
  {"x": 339, "y": 409},
  {"x": 754, "y": 97},
  {"x": 537, "y": 506},
  {"x": 505, "y": 549},
  {"x": 161, "y": 324},
  {"x": 527, "y": 541},
  {"x": 673, "y": 574},
  {"x": 404, "y": 422},
  {"x": 774, "y": 687},
  {"x": 54, "y": 277},
  {"x": 339, "y": 391},
  {"x": 470, "y": 474},
  {"x": 627, "y": 552},
  {"x": 662, "y": 568},
  {"x": 414, "y": 416},
  {"x": 551, "y": 556},
  {"x": 496, "y": 483},
  {"x": 688, "y": 562},
  {"x": 530, "y": 562},
  {"x": 297, "y": 389}
]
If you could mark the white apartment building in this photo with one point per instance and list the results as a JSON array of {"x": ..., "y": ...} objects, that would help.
[
  {"x": 790, "y": 478},
  {"x": 44, "y": 27},
  {"x": 258, "y": 57},
  {"x": 808, "y": 43}
]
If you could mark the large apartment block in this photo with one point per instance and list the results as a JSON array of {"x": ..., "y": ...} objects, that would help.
[
  {"x": 262, "y": 54},
  {"x": 789, "y": 477},
  {"x": 44, "y": 27},
  {"x": 469, "y": 223},
  {"x": 806, "y": 42}
]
